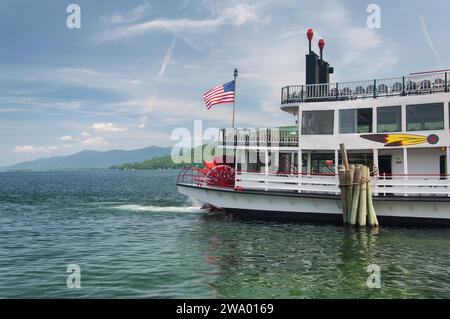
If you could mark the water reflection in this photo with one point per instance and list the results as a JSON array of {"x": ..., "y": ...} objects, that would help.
[{"x": 262, "y": 260}]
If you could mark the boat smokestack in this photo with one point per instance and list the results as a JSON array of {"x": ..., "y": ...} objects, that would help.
[
  {"x": 321, "y": 46},
  {"x": 317, "y": 69},
  {"x": 310, "y": 35}
]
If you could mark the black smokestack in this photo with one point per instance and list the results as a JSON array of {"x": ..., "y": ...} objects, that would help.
[
  {"x": 312, "y": 70},
  {"x": 317, "y": 69}
]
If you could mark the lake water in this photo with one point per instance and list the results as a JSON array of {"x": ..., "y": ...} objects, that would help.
[{"x": 134, "y": 236}]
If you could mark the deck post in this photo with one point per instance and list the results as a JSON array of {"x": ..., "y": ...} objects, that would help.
[
  {"x": 403, "y": 86},
  {"x": 405, "y": 169},
  {"x": 336, "y": 162},
  {"x": 308, "y": 164},
  {"x": 266, "y": 167},
  {"x": 300, "y": 170},
  {"x": 374, "y": 89},
  {"x": 446, "y": 82},
  {"x": 376, "y": 172},
  {"x": 448, "y": 170}
]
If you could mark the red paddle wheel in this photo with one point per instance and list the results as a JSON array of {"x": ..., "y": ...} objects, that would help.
[{"x": 221, "y": 175}]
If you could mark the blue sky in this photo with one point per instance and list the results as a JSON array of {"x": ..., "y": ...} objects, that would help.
[{"x": 137, "y": 69}]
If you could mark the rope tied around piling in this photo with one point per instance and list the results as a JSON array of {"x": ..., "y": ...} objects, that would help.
[{"x": 355, "y": 184}]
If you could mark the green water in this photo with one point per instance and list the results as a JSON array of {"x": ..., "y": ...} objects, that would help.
[{"x": 133, "y": 235}]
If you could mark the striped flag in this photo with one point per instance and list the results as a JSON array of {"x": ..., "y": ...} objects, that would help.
[{"x": 219, "y": 94}]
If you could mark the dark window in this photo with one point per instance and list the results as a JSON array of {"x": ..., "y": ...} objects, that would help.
[
  {"x": 359, "y": 159},
  {"x": 424, "y": 117},
  {"x": 317, "y": 122},
  {"x": 322, "y": 163},
  {"x": 347, "y": 121},
  {"x": 443, "y": 166},
  {"x": 389, "y": 119},
  {"x": 355, "y": 121}
]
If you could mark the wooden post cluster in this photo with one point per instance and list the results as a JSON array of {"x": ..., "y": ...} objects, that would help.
[{"x": 356, "y": 194}]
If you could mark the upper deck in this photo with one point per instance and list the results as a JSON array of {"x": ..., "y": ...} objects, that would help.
[{"x": 414, "y": 84}]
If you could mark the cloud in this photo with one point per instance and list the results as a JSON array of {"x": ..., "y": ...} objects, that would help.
[
  {"x": 126, "y": 17},
  {"x": 423, "y": 24},
  {"x": 66, "y": 138},
  {"x": 88, "y": 77},
  {"x": 167, "y": 59},
  {"x": 174, "y": 26},
  {"x": 168, "y": 110},
  {"x": 30, "y": 149},
  {"x": 143, "y": 122},
  {"x": 237, "y": 15},
  {"x": 240, "y": 14},
  {"x": 86, "y": 138},
  {"x": 94, "y": 141},
  {"x": 108, "y": 127},
  {"x": 361, "y": 51}
]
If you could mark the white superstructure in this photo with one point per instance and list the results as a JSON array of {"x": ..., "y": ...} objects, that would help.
[{"x": 398, "y": 127}]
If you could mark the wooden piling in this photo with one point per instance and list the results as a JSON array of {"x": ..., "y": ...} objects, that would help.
[
  {"x": 344, "y": 203},
  {"x": 349, "y": 180},
  {"x": 373, "y": 220},
  {"x": 362, "y": 218},
  {"x": 344, "y": 156},
  {"x": 356, "y": 193}
]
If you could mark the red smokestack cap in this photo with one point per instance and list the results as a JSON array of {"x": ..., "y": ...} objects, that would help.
[
  {"x": 321, "y": 44},
  {"x": 310, "y": 34}
]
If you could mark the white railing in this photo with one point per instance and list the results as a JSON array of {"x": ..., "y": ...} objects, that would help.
[
  {"x": 411, "y": 185},
  {"x": 288, "y": 182},
  {"x": 426, "y": 83},
  {"x": 317, "y": 184},
  {"x": 273, "y": 136}
]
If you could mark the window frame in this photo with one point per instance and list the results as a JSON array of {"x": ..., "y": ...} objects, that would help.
[
  {"x": 330, "y": 132},
  {"x": 423, "y": 123},
  {"x": 381, "y": 108}
]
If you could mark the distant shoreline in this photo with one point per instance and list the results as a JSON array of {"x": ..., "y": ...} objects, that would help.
[{"x": 88, "y": 170}]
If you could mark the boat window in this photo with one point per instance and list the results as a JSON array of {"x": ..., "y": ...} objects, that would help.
[
  {"x": 318, "y": 122},
  {"x": 355, "y": 121},
  {"x": 322, "y": 163},
  {"x": 389, "y": 119},
  {"x": 288, "y": 163},
  {"x": 422, "y": 117}
]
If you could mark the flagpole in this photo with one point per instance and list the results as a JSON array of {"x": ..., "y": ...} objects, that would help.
[
  {"x": 234, "y": 100},
  {"x": 234, "y": 130}
]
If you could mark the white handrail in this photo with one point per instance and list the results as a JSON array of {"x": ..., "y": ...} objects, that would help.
[{"x": 399, "y": 186}]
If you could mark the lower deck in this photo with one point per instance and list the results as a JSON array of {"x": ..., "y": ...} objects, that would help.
[
  {"x": 317, "y": 207},
  {"x": 398, "y": 172}
]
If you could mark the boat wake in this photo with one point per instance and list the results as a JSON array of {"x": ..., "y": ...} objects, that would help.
[{"x": 156, "y": 209}]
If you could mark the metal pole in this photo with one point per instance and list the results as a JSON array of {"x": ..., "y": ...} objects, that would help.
[
  {"x": 234, "y": 101},
  {"x": 446, "y": 82},
  {"x": 234, "y": 130}
]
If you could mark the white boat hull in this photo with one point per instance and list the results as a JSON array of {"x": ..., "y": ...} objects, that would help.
[{"x": 420, "y": 211}]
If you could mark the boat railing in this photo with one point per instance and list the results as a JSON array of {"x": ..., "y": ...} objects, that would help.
[
  {"x": 193, "y": 176},
  {"x": 385, "y": 185},
  {"x": 259, "y": 137},
  {"x": 424, "y": 83}
]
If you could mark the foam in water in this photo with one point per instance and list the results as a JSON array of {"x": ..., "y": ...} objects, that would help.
[{"x": 174, "y": 209}]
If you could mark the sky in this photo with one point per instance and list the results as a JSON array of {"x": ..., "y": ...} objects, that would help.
[{"x": 136, "y": 70}]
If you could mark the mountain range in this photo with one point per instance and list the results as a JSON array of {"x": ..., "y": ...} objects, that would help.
[{"x": 90, "y": 160}]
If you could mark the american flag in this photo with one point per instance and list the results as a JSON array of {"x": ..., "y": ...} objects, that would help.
[{"x": 219, "y": 94}]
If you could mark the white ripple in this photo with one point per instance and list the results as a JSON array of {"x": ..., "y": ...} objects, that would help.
[{"x": 174, "y": 209}]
